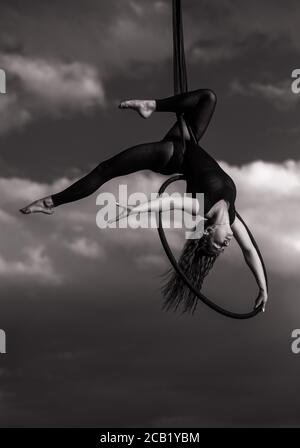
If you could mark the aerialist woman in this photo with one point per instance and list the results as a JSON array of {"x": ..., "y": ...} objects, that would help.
[{"x": 203, "y": 175}]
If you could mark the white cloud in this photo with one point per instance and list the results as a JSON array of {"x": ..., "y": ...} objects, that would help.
[
  {"x": 86, "y": 248},
  {"x": 13, "y": 115},
  {"x": 15, "y": 189},
  {"x": 268, "y": 199},
  {"x": 269, "y": 178},
  {"x": 145, "y": 262},
  {"x": 35, "y": 264},
  {"x": 46, "y": 88},
  {"x": 73, "y": 85},
  {"x": 279, "y": 94}
]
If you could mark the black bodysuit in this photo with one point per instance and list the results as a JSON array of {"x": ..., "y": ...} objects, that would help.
[
  {"x": 203, "y": 174},
  {"x": 208, "y": 178}
]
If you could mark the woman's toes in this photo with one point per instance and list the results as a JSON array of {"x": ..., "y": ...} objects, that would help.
[
  {"x": 124, "y": 105},
  {"x": 25, "y": 210}
]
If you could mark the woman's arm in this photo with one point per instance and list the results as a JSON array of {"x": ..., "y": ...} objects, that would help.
[
  {"x": 162, "y": 204},
  {"x": 252, "y": 259}
]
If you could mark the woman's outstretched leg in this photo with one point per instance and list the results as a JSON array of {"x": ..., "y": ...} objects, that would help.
[{"x": 150, "y": 156}]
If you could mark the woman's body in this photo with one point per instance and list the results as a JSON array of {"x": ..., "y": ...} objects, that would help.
[{"x": 168, "y": 156}]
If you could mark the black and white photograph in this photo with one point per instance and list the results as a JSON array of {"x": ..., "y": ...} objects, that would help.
[{"x": 149, "y": 215}]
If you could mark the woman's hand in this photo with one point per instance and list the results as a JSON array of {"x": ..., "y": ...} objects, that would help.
[{"x": 261, "y": 300}]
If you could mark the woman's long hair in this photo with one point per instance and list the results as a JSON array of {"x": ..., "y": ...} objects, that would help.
[{"x": 196, "y": 262}]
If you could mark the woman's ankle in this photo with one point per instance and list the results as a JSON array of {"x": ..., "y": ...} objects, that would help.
[{"x": 48, "y": 202}]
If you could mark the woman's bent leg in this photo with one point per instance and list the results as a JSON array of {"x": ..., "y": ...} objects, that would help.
[{"x": 197, "y": 106}]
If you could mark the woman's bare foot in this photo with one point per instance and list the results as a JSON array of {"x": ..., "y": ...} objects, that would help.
[
  {"x": 44, "y": 205},
  {"x": 144, "y": 107}
]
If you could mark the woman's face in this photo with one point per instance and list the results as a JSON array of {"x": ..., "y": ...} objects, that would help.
[{"x": 220, "y": 237}]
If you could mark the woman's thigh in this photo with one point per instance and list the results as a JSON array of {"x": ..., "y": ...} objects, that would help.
[{"x": 175, "y": 162}]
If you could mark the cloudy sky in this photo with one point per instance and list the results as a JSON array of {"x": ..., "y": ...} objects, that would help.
[{"x": 87, "y": 342}]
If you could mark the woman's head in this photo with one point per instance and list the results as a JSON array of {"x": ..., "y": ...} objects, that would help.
[
  {"x": 216, "y": 238},
  {"x": 196, "y": 261}
]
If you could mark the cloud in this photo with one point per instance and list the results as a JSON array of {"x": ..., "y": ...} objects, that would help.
[
  {"x": 145, "y": 262},
  {"x": 25, "y": 249},
  {"x": 279, "y": 94},
  {"x": 117, "y": 35},
  {"x": 12, "y": 114},
  {"x": 70, "y": 85},
  {"x": 210, "y": 52},
  {"x": 6, "y": 218},
  {"x": 42, "y": 82},
  {"x": 40, "y": 87},
  {"x": 281, "y": 180},
  {"x": 86, "y": 248},
  {"x": 147, "y": 26},
  {"x": 36, "y": 264},
  {"x": 214, "y": 31},
  {"x": 15, "y": 189},
  {"x": 268, "y": 199},
  {"x": 51, "y": 242},
  {"x": 108, "y": 35}
]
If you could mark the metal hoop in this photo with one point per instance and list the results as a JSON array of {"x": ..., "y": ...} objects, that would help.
[{"x": 175, "y": 265}]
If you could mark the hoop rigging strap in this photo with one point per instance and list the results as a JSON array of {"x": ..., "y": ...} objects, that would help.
[{"x": 181, "y": 86}]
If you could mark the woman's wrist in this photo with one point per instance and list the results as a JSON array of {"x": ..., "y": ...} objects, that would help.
[{"x": 263, "y": 290}]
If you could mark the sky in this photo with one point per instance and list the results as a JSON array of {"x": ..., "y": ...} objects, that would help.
[{"x": 87, "y": 342}]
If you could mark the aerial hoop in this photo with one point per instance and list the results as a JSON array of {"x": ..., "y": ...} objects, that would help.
[{"x": 192, "y": 287}]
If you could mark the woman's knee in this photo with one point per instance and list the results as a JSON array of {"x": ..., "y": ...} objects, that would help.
[
  {"x": 207, "y": 94},
  {"x": 210, "y": 96}
]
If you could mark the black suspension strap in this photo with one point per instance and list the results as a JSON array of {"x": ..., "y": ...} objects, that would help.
[
  {"x": 180, "y": 71},
  {"x": 181, "y": 86}
]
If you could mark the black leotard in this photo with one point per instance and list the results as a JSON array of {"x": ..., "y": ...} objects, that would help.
[{"x": 204, "y": 174}]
